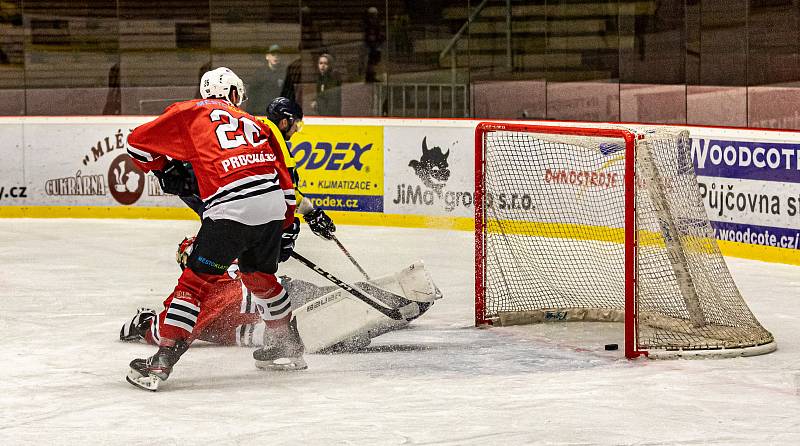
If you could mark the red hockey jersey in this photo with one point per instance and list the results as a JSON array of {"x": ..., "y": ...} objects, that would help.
[{"x": 238, "y": 162}]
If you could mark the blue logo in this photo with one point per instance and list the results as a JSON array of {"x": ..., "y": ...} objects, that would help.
[{"x": 325, "y": 155}]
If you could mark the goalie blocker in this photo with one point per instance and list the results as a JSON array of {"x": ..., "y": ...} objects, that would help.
[{"x": 328, "y": 318}]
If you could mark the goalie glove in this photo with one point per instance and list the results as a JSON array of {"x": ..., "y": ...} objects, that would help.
[
  {"x": 288, "y": 237},
  {"x": 136, "y": 329},
  {"x": 320, "y": 224},
  {"x": 177, "y": 178}
]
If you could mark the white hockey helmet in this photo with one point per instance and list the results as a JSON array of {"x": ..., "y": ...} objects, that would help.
[{"x": 217, "y": 83}]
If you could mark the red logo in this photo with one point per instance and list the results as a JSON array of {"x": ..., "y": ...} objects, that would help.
[{"x": 125, "y": 180}]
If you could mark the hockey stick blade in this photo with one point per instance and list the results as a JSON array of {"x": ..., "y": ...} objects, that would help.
[{"x": 392, "y": 313}]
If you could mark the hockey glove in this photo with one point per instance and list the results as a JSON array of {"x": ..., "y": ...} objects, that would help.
[
  {"x": 177, "y": 178},
  {"x": 136, "y": 329},
  {"x": 320, "y": 224},
  {"x": 287, "y": 240}
]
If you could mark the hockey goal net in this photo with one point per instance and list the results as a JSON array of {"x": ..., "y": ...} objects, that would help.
[{"x": 604, "y": 224}]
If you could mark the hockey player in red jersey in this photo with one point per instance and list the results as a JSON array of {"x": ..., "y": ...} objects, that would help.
[{"x": 248, "y": 200}]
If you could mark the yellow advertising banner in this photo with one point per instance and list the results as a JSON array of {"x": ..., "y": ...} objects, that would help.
[{"x": 340, "y": 166}]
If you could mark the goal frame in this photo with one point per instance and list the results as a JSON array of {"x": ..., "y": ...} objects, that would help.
[{"x": 630, "y": 234}]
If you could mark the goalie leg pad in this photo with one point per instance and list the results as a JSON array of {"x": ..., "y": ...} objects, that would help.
[
  {"x": 338, "y": 318},
  {"x": 417, "y": 284},
  {"x": 412, "y": 282}
]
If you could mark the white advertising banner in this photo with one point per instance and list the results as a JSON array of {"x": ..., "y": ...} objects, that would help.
[
  {"x": 83, "y": 162},
  {"x": 750, "y": 183},
  {"x": 13, "y": 189},
  {"x": 429, "y": 169},
  {"x": 749, "y": 179}
]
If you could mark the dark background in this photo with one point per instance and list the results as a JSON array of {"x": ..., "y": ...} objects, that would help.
[{"x": 722, "y": 62}]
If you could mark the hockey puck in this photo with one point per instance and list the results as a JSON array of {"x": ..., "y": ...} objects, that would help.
[{"x": 612, "y": 346}]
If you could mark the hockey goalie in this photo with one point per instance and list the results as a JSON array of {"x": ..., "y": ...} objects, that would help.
[{"x": 328, "y": 319}]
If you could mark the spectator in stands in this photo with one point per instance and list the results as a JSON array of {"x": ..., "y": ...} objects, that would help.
[
  {"x": 373, "y": 42},
  {"x": 329, "y": 88},
  {"x": 267, "y": 84}
]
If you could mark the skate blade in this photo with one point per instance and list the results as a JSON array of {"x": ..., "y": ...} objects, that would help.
[
  {"x": 149, "y": 382},
  {"x": 282, "y": 364}
]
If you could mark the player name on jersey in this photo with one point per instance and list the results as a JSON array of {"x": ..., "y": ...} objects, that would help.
[{"x": 247, "y": 159}]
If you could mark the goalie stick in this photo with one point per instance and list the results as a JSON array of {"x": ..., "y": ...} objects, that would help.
[
  {"x": 350, "y": 256},
  {"x": 392, "y": 313}
]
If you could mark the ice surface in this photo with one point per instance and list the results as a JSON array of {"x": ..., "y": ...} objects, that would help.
[{"x": 66, "y": 287}]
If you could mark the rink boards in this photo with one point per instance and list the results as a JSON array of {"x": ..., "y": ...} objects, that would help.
[{"x": 377, "y": 172}]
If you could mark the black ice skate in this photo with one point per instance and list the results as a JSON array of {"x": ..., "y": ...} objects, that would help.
[
  {"x": 135, "y": 330},
  {"x": 283, "y": 349},
  {"x": 148, "y": 373}
]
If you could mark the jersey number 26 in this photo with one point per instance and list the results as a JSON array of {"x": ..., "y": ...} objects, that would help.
[{"x": 229, "y": 134}]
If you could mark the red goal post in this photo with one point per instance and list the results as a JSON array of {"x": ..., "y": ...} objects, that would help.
[{"x": 523, "y": 260}]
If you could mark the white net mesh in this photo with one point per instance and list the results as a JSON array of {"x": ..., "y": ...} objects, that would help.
[{"x": 554, "y": 231}]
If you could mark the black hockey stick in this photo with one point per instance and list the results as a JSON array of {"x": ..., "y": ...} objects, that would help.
[
  {"x": 349, "y": 256},
  {"x": 393, "y": 313}
]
